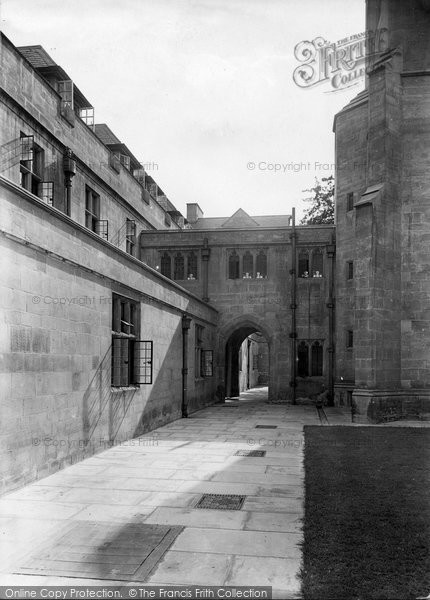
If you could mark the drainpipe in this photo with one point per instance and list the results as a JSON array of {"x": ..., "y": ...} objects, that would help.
[
  {"x": 331, "y": 250},
  {"x": 293, "y": 306},
  {"x": 205, "y": 268},
  {"x": 186, "y": 322},
  {"x": 69, "y": 168}
]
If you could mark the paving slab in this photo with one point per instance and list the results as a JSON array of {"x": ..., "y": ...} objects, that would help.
[{"x": 87, "y": 523}]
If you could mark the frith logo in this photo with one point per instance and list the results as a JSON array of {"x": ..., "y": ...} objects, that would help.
[{"x": 341, "y": 63}]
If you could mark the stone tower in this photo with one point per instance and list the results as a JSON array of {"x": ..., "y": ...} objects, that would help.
[{"x": 383, "y": 221}]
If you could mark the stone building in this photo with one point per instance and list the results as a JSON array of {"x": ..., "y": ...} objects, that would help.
[
  {"x": 383, "y": 223},
  {"x": 244, "y": 267},
  {"x": 93, "y": 342},
  {"x": 120, "y": 314}
]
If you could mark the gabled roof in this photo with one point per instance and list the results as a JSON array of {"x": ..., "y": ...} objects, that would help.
[{"x": 240, "y": 219}]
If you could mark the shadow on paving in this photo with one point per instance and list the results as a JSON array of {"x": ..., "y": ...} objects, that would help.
[{"x": 120, "y": 512}]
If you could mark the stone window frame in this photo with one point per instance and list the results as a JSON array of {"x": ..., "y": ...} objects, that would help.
[
  {"x": 190, "y": 262},
  {"x": 349, "y": 339},
  {"x": 166, "y": 264},
  {"x": 305, "y": 263},
  {"x": 92, "y": 208},
  {"x": 308, "y": 367},
  {"x": 130, "y": 236},
  {"x": 349, "y": 201},
  {"x": 32, "y": 167},
  {"x": 131, "y": 357},
  {"x": 237, "y": 270}
]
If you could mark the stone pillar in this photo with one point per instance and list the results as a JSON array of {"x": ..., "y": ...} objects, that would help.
[{"x": 186, "y": 323}]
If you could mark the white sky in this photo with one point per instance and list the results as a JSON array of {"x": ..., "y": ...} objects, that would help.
[{"x": 201, "y": 88}]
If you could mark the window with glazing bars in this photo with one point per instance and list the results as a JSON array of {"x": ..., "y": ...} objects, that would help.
[
  {"x": 46, "y": 192},
  {"x": 261, "y": 265},
  {"x": 207, "y": 363},
  {"x": 179, "y": 266},
  {"x": 303, "y": 264},
  {"x": 192, "y": 266},
  {"x": 132, "y": 358},
  {"x": 130, "y": 237},
  {"x": 31, "y": 164},
  {"x": 248, "y": 265},
  {"x": 233, "y": 266},
  {"x": 317, "y": 263},
  {"x": 92, "y": 209}
]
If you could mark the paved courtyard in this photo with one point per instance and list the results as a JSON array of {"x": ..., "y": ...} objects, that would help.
[{"x": 88, "y": 524}]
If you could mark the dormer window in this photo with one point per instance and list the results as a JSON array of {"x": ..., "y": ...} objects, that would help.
[{"x": 87, "y": 115}]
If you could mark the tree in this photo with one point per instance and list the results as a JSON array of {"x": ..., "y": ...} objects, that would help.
[{"x": 321, "y": 211}]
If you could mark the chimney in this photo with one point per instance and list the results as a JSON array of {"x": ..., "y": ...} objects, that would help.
[{"x": 194, "y": 212}]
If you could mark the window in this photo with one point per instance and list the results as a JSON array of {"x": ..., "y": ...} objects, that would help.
[
  {"x": 92, "y": 209},
  {"x": 303, "y": 264},
  {"x": 317, "y": 359},
  {"x": 46, "y": 192},
  {"x": 166, "y": 265},
  {"x": 131, "y": 358},
  {"x": 192, "y": 266},
  {"x": 87, "y": 115},
  {"x": 130, "y": 237},
  {"x": 179, "y": 267},
  {"x": 317, "y": 263},
  {"x": 31, "y": 164},
  {"x": 65, "y": 89},
  {"x": 233, "y": 266},
  {"x": 349, "y": 338},
  {"x": 350, "y": 201},
  {"x": 207, "y": 363},
  {"x": 125, "y": 161},
  {"x": 350, "y": 269},
  {"x": 198, "y": 367},
  {"x": 248, "y": 265},
  {"x": 261, "y": 265},
  {"x": 303, "y": 360}
]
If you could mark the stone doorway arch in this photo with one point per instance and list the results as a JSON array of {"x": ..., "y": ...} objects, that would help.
[{"x": 232, "y": 334}]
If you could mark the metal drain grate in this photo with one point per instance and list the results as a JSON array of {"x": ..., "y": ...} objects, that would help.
[
  {"x": 266, "y": 427},
  {"x": 250, "y": 453},
  {"x": 221, "y": 502}
]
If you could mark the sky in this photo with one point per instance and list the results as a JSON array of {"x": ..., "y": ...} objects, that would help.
[{"x": 202, "y": 91}]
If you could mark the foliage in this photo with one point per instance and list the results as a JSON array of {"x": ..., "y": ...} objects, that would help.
[{"x": 321, "y": 210}]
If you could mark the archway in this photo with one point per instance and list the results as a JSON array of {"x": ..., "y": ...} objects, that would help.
[{"x": 246, "y": 346}]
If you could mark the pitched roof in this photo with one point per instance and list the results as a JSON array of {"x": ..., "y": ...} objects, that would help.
[
  {"x": 241, "y": 220},
  {"x": 105, "y": 134}
]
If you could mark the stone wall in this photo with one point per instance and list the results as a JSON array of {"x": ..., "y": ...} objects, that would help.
[
  {"x": 259, "y": 304},
  {"x": 31, "y": 106},
  {"x": 57, "y": 403}
]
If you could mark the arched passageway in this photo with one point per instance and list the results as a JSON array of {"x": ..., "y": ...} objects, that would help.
[{"x": 247, "y": 362}]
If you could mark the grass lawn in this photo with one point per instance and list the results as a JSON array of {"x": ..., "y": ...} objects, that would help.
[{"x": 367, "y": 513}]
